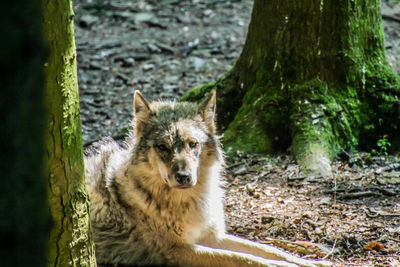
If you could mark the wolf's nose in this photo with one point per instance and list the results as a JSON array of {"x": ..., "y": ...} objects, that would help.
[{"x": 182, "y": 178}]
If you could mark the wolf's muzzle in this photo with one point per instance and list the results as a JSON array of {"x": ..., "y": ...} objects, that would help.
[{"x": 183, "y": 178}]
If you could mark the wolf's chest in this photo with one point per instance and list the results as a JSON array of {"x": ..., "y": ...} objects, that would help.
[
  {"x": 191, "y": 225},
  {"x": 185, "y": 220}
]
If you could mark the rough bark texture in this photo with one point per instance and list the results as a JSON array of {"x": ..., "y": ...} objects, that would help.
[
  {"x": 24, "y": 217},
  {"x": 312, "y": 77},
  {"x": 71, "y": 239}
]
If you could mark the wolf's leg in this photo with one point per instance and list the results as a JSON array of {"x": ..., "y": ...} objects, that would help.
[
  {"x": 233, "y": 243},
  {"x": 210, "y": 257}
]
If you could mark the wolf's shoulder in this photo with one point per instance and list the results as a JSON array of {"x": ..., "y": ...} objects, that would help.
[
  {"x": 103, "y": 146},
  {"x": 102, "y": 159}
]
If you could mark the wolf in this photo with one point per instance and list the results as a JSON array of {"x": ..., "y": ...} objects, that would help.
[{"x": 158, "y": 198}]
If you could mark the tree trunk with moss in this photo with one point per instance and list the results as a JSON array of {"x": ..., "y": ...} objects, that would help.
[
  {"x": 312, "y": 77},
  {"x": 24, "y": 217},
  {"x": 71, "y": 241}
]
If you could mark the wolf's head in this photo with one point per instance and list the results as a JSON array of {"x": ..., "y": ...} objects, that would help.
[{"x": 174, "y": 138}]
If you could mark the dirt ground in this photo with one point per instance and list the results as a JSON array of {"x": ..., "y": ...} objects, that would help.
[{"x": 164, "y": 48}]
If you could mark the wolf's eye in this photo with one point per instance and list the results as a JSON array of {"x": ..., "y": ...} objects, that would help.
[
  {"x": 162, "y": 147},
  {"x": 192, "y": 144}
]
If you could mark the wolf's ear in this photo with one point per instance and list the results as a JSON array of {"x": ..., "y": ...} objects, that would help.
[
  {"x": 207, "y": 110},
  {"x": 141, "y": 109}
]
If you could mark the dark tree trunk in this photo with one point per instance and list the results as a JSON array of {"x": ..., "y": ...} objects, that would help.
[
  {"x": 312, "y": 77},
  {"x": 71, "y": 241},
  {"x": 24, "y": 218}
]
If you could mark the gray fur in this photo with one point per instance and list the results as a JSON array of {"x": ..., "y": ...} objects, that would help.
[
  {"x": 142, "y": 212},
  {"x": 130, "y": 229}
]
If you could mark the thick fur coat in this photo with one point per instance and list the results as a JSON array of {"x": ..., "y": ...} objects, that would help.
[{"x": 159, "y": 199}]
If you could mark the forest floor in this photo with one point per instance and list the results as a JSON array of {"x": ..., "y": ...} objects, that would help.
[{"x": 164, "y": 48}]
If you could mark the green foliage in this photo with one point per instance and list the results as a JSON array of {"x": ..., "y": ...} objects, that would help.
[
  {"x": 353, "y": 145},
  {"x": 383, "y": 145},
  {"x": 197, "y": 94}
]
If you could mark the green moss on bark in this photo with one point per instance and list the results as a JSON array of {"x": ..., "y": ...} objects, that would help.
[
  {"x": 312, "y": 77},
  {"x": 381, "y": 106},
  {"x": 71, "y": 241},
  {"x": 197, "y": 94},
  {"x": 227, "y": 88}
]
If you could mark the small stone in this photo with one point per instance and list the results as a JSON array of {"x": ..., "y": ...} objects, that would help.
[
  {"x": 142, "y": 17},
  {"x": 94, "y": 65},
  {"x": 198, "y": 63},
  {"x": 169, "y": 87},
  {"x": 250, "y": 189},
  {"x": 127, "y": 62},
  {"x": 240, "y": 171},
  {"x": 166, "y": 48},
  {"x": 140, "y": 56},
  {"x": 207, "y": 12},
  {"x": 183, "y": 19},
  {"x": 153, "y": 48},
  {"x": 325, "y": 201},
  {"x": 172, "y": 79},
  {"x": 214, "y": 35},
  {"x": 148, "y": 67},
  {"x": 123, "y": 77},
  {"x": 87, "y": 21}
]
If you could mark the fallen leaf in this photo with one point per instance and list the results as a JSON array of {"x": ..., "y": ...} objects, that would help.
[
  {"x": 374, "y": 245},
  {"x": 306, "y": 244}
]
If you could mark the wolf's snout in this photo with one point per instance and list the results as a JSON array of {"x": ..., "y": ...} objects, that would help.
[{"x": 183, "y": 178}]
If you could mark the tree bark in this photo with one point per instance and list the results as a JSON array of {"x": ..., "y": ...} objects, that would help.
[
  {"x": 71, "y": 241},
  {"x": 312, "y": 78},
  {"x": 24, "y": 217}
]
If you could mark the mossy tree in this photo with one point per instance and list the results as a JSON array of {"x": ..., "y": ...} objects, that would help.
[
  {"x": 24, "y": 218},
  {"x": 71, "y": 241},
  {"x": 312, "y": 77}
]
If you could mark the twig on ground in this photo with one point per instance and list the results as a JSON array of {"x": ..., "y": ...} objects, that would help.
[
  {"x": 332, "y": 250},
  {"x": 390, "y": 17},
  {"x": 358, "y": 195}
]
